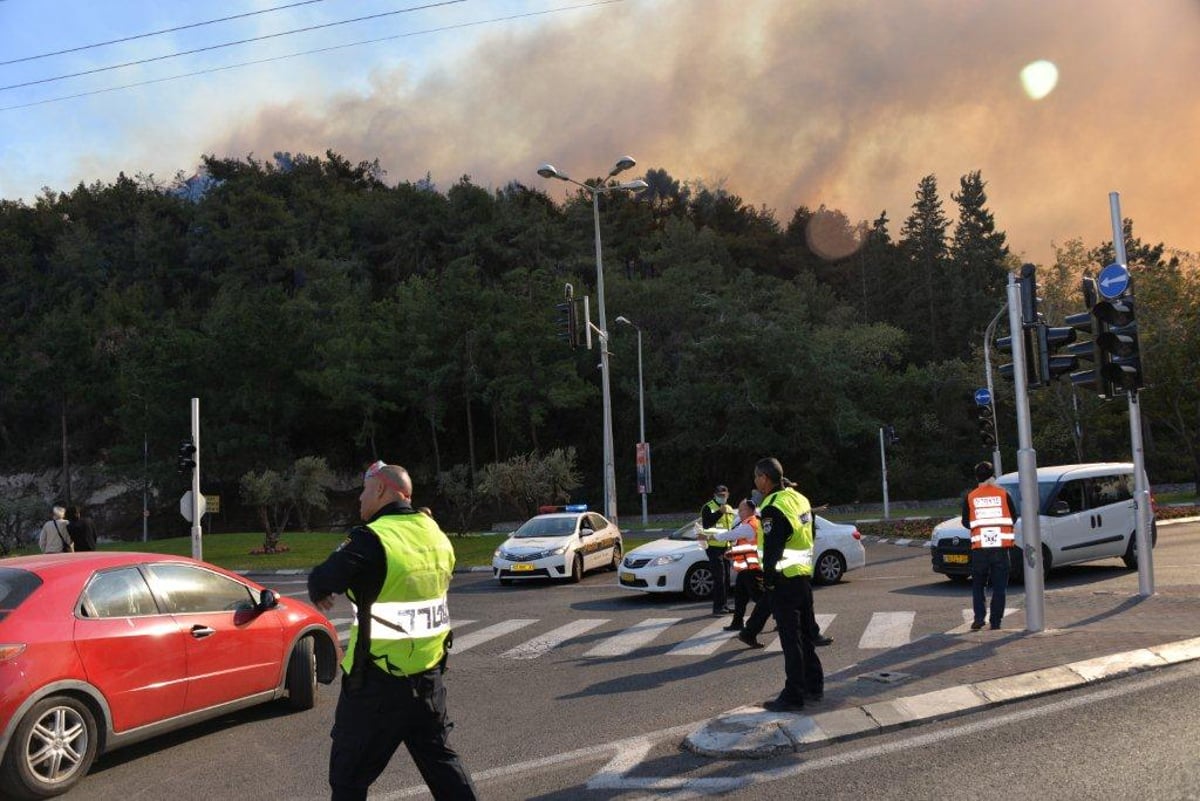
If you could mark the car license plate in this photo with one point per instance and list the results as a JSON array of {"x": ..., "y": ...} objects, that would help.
[
  {"x": 521, "y": 566},
  {"x": 628, "y": 578},
  {"x": 956, "y": 558}
]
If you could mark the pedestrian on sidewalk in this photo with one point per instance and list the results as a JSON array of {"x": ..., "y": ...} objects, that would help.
[
  {"x": 787, "y": 525},
  {"x": 55, "y": 536},
  {"x": 718, "y": 514},
  {"x": 988, "y": 512}
]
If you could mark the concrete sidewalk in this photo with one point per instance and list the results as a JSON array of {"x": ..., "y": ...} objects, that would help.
[{"x": 1090, "y": 636}]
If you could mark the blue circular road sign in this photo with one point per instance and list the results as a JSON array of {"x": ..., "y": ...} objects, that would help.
[
  {"x": 983, "y": 397},
  {"x": 1113, "y": 281}
]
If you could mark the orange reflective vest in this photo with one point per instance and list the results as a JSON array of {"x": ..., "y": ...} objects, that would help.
[
  {"x": 991, "y": 518},
  {"x": 744, "y": 552}
]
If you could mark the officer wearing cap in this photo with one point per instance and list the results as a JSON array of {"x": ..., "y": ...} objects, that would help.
[
  {"x": 787, "y": 532},
  {"x": 396, "y": 570},
  {"x": 717, "y": 513}
]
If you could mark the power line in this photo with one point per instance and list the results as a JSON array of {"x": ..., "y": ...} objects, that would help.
[
  {"x": 158, "y": 33},
  {"x": 475, "y": 23},
  {"x": 151, "y": 60}
]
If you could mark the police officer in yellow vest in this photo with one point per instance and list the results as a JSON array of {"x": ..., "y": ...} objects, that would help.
[
  {"x": 396, "y": 571},
  {"x": 787, "y": 548},
  {"x": 717, "y": 513}
]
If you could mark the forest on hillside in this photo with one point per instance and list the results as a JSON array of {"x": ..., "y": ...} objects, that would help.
[{"x": 317, "y": 310}]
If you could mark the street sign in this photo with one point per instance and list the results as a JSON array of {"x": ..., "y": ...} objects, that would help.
[
  {"x": 213, "y": 502},
  {"x": 982, "y": 397},
  {"x": 1113, "y": 281},
  {"x": 185, "y": 506}
]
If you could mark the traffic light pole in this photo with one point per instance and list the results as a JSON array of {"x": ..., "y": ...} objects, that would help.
[
  {"x": 1027, "y": 469},
  {"x": 1145, "y": 550},
  {"x": 196, "y": 549}
]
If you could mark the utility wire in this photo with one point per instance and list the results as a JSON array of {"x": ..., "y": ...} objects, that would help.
[
  {"x": 158, "y": 33},
  {"x": 408, "y": 10},
  {"x": 475, "y": 23}
]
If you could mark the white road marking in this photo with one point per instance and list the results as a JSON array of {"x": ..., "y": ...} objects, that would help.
[
  {"x": 888, "y": 630},
  {"x": 706, "y": 641},
  {"x": 551, "y": 639},
  {"x": 490, "y": 633},
  {"x": 823, "y": 622},
  {"x": 634, "y": 637}
]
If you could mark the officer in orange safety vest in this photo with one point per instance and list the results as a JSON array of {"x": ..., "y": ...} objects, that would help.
[{"x": 989, "y": 513}]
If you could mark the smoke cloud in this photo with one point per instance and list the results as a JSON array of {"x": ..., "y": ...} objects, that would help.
[{"x": 798, "y": 102}]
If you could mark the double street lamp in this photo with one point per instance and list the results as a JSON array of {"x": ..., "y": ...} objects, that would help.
[
  {"x": 550, "y": 171},
  {"x": 641, "y": 413}
]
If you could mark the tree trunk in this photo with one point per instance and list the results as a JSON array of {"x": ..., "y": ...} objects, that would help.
[
  {"x": 470, "y": 440},
  {"x": 65, "y": 458},
  {"x": 437, "y": 455}
]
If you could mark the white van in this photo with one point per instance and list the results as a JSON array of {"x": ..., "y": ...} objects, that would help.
[{"x": 1086, "y": 512}]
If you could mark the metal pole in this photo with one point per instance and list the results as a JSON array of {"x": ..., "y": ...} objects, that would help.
[
  {"x": 1141, "y": 494},
  {"x": 883, "y": 471},
  {"x": 196, "y": 549},
  {"x": 1031, "y": 533},
  {"x": 987, "y": 366},
  {"x": 610, "y": 481},
  {"x": 642, "y": 423}
]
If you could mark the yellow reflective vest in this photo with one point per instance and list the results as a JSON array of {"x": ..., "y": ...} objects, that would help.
[
  {"x": 410, "y": 618},
  {"x": 797, "y": 558},
  {"x": 725, "y": 521}
]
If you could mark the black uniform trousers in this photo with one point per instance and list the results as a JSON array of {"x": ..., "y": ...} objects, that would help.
[
  {"x": 747, "y": 587},
  {"x": 762, "y": 610},
  {"x": 720, "y": 570},
  {"x": 792, "y": 604},
  {"x": 374, "y": 719}
]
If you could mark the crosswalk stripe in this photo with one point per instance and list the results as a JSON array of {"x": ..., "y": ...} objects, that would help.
[
  {"x": 540, "y": 645},
  {"x": 705, "y": 641},
  {"x": 823, "y": 622},
  {"x": 490, "y": 633},
  {"x": 633, "y": 637},
  {"x": 888, "y": 630}
]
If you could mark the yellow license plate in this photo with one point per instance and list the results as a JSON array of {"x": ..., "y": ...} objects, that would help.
[
  {"x": 628, "y": 578},
  {"x": 521, "y": 566},
  {"x": 956, "y": 558}
]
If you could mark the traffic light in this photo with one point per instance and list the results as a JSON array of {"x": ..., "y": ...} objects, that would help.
[
  {"x": 1082, "y": 349},
  {"x": 565, "y": 320},
  {"x": 1051, "y": 364},
  {"x": 1120, "y": 356},
  {"x": 987, "y": 425},
  {"x": 1028, "y": 338},
  {"x": 1029, "y": 298},
  {"x": 187, "y": 454}
]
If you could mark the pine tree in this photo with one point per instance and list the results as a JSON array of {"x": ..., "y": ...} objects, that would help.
[
  {"x": 978, "y": 254},
  {"x": 923, "y": 244}
]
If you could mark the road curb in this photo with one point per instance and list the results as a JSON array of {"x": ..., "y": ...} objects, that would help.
[{"x": 750, "y": 732}]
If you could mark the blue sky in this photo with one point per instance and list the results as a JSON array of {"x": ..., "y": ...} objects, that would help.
[{"x": 784, "y": 102}]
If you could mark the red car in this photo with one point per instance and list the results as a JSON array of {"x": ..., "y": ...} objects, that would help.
[{"x": 102, "y": 649}]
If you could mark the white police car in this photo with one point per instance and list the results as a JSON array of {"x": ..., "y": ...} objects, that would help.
[{"x": 563, "y": 545}]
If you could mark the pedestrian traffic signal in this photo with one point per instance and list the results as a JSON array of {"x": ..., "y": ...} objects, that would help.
[
  {"x": 187, "y": 456},
  {"x": 987, "y": 425},
  {"x": 565, "y": 320},
  {"x": 1120, "y": 356},
  {"x": 1050, "y": 363}
]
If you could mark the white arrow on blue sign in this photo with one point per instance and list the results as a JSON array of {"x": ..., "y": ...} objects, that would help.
[
  {"x": 1113, "y": 281},
  {"x": 983, "y": 397}
]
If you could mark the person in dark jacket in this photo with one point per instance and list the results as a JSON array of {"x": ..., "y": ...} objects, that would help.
[{"x": 82, "y": 530}]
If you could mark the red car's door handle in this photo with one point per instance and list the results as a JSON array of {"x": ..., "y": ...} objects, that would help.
[{"x": 200, "y": 632}]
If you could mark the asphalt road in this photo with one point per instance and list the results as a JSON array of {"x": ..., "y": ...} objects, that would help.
[{"x": 575, "y": 691}]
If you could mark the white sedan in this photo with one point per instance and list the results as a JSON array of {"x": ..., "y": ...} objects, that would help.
[
  {"x": 678, "y": 563},
  {"x": 560, "y": 545}
]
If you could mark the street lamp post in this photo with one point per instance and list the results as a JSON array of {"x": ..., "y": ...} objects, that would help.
[
  {"x": 641, "y": 409},
  {"x": 987, "y": 366},
  {"x": 550, "y": 171}
]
